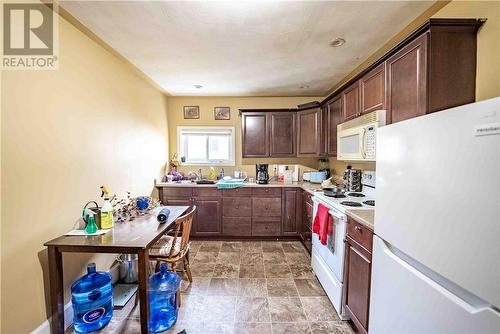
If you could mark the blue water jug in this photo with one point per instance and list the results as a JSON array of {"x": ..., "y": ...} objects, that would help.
[
  {"x": 92, "y": 299},
  {"x": 162, "y": 299}
]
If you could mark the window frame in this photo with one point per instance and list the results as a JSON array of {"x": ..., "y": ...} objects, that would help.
[{"x": 203, "y": 130}]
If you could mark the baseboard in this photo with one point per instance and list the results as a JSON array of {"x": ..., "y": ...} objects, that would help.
[{"x": 44, "y": 328}]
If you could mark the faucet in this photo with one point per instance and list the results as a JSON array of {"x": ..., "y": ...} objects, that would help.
[
  {"x": 200, "y": 176},
  {"x": 221, "y": 174}
]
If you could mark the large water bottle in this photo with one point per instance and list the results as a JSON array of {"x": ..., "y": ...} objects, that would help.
[
  {"x": 162, "y": 299},
  {"x": 92, "y": 299}
]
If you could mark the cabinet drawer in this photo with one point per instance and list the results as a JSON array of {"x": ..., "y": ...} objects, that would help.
[
  {"x": 236, "y": 207},
  {"x": 267, "y": 192},
  {"x": 241, "y": 226},
  {"x": 266, "y": 227},
  {"x": 239, "y": 192},
  {"x": 207, "y": 192},
  {"x": 360, "y": 233},
  {"x": 266, "y": 207},
  {"x": 177, "y": 192}
]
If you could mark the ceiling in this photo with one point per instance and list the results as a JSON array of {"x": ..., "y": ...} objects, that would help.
[{"x": 260, "y": 48}]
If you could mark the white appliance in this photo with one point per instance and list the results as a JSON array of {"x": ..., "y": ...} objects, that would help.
[
  {"x": 327, "y": 260},
  {"x": 436, "y": 256},
  {"x": 356, "y": 139}
]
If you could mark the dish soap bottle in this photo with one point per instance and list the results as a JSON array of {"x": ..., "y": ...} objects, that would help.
[
  {"x": 106, "y": 210},
  {"x": 92, "y": 300}
]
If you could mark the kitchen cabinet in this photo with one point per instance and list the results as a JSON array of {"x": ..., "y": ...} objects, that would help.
[
  {"x": 372, "y": 90},
  {"x": 308, "y": 132},
  {"x": 306, "y": 217},
  {"x": 283, "y": 134},
  {"x": 291, "y": 210},
  {"x": 208, "y": 216},
  {"x": 255, "y": 134},
  {"x": 350, "y": 102},
  {"x": 357, "y": 273},
  {"x": 334, "y": 118}
]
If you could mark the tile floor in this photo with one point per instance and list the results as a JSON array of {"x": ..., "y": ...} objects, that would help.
[{"x": 247, "y": 287}]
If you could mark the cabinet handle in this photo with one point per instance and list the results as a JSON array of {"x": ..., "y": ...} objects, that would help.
[{"x": 357, "y": 228}]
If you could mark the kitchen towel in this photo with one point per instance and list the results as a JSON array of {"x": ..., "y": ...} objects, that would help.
[{"x": 323, "y": 223}]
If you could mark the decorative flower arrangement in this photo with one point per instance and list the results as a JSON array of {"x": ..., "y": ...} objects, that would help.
[{"x": 128, "y": 209}]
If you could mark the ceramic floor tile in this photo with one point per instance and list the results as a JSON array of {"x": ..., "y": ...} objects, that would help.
[
  {"x": 190, "y": 307},
  {"x": 286, "y": 309},
  {"x": 223, "y": 287},
  {"x": 274, "y": 258},
  {"x": 336, "y": 327},
  {"x": 198, "y": 286},
  {"x": 210, "y": 246},
  {"x": 252, "y": 258},
  {"x": 231, "y": 247},
  {"x": 229, "y": 258},
  {"x": 252, "y": 247},
  {"x": 291, "y": 328},
  {"x": 218, "y": 327},
  {"x": 309, "y": 287},
  {"x": 252, "y": 309},
  {"x": 252, "y": 271},
  {"x": 204, "y": 257},
  {"x": 281, "y": 287},
  {"x": 252, "y": 328},
  {"x": 202, "y": 269},
  {"x": 319, "y": 309},
  {"x": 271, "y": 246},
  {"x": 298, "y": 258},
  {"x": 301, "y": 271},
  {"x": 224, "y": 270},
  {"x": 217, "y": 309},
  {"x": 293, "y": 247},
  {"x": 252, "y": 287},
  {"x": 277, "y": 271}
]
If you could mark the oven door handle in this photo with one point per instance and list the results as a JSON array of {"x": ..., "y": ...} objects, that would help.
[{"x": 337, "y": 215}]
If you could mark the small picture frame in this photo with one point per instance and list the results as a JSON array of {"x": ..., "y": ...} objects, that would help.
[
  {"x": 222, "y": 113},
  {"x": 191, "y": 112}
]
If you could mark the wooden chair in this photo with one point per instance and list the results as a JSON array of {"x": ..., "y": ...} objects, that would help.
[{"x": 174, "y": 247}]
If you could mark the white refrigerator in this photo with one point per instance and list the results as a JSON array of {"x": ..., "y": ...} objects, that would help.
[{"x": 436, "y": 256}]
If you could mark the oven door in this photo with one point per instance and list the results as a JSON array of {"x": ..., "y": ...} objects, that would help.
[{"x": 350, "y": 144}]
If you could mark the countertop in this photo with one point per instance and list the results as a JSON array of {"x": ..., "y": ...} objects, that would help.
[
  {"x": 365, "y": 217},
  {"x": 307, "y": 186}
]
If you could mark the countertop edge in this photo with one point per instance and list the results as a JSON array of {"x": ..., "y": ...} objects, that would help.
[
  {"x": 306, "y": 186},
  {"x": 364, "y": 217}
]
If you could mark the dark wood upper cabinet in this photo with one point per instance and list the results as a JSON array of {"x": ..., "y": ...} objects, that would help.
[
  {"x": 334, "y": 118},
  {"x": 308, "y": 132},
  {"x": 350, "y": 101},
  {"x": 407, "y": 81},
  {"x": 283, "y": 134},
  {"x": 255, "y": 134},
  {"x": 372, "y": 90}
]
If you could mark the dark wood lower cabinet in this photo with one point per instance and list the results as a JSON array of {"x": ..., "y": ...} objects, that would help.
[
  {"x": 305, "y": 226},
  {"x": 357, "y": 274},
  {"x": 291, "y": 210},
  {"x": 208, "y": 216}
]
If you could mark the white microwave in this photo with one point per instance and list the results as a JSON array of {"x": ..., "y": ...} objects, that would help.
[{"x": 356, "y": 139}]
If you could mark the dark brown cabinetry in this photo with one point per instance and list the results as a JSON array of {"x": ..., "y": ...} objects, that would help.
[
  {"x": 208, "y": 217},
  {"x": 255, "y": 134},
  {"x": 334, "y": 118},
  {"x": 283, "y": 137},
  {"x": 291, "y": 210},
  {"x": 308, "y": 132},
  {"x": 357, "y": 273},
  {"x": 305, "y": 228},
  {"x": 350, "y": 101},
  {"x": 372, "y": 90}
]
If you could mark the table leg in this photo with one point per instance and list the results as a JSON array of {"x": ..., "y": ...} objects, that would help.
[
  {"x": 143, "y": 289},
  {"x": 56, "y": 290}
]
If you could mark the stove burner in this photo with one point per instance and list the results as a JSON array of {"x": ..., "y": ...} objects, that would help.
[
  {"x": 336, "y": 196},
  {"x": 349, "y": 203},
  {"x": 369, "y": 202},
  {"x": 356, "y": 194}
]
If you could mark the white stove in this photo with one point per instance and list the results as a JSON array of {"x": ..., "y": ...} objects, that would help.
[{"x": 328, "y": 260}]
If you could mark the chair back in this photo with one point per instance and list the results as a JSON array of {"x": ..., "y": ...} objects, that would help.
[{"x": 182, "y": 226}]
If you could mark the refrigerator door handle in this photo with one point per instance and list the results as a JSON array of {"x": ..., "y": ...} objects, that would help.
[{"x": 461, "y": 297}]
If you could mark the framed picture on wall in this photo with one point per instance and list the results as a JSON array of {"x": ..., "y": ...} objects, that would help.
[
  {"x": 191, "y": 112},
  {"x": 222, "y": 113}
]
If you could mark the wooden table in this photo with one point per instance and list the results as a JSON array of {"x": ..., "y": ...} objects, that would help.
[{"x": 133, "y": 237}]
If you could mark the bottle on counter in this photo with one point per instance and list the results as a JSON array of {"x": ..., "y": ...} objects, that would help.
[{"x": 106, "y": 210}]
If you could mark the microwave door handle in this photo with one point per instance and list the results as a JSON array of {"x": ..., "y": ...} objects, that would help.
[{"x": 363, "y": 137}]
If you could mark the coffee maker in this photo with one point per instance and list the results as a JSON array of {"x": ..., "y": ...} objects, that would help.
[{"x": 261, "y": 173}]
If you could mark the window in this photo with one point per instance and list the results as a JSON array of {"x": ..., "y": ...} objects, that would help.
[{"x": 206, "y": 145}]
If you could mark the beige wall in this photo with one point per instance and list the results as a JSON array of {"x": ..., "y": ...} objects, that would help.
[
  {"x": 488, "y": 42},
  {"x": 64, "y": 133},
  {"x": 207, "y": 104}
]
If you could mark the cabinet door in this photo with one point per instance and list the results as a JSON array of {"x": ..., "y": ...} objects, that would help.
[
  {"x": 334, "y": 118},
  {"x": 289, "y": 219},
  {"x": 255, "y": 134},
  {"x": 308, "y": 134},
  {"x": 406, "y": 81},
  {"x": 208, "y": 216},
  {"x": 372, "y": 90},
  {"x": 283, "y": 136},
  {"x": 350, "y": 101},
  {"x": 357, "y": 284}
]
